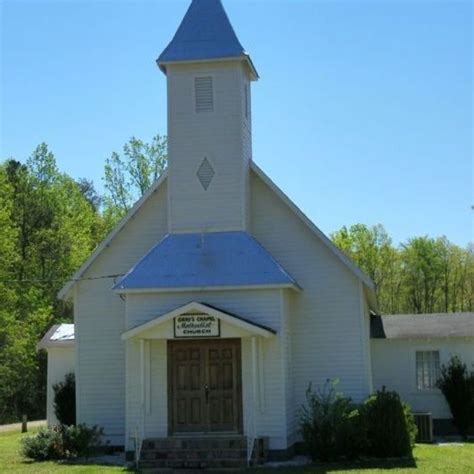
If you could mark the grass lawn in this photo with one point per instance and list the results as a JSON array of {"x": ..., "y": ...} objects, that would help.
[
  {"x": 12, "y": 462},
  {"x": 427, "y": 460}
]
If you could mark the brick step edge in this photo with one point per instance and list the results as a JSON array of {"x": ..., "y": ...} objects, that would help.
[
  {"x": 197, "y": 446},
  {"x": 202, "y": 441},
  {"x": 194, "y": 454},
  {"x": 187, "y": 464}
]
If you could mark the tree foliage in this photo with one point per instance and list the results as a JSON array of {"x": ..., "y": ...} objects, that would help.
[
  {"x": 49, "y": 224},
  {"x": 127, "y": 177},
  {"x": 390, "y": 426},
  {"x": 65, "y": 400},
  {"x": 422, "y": 275},
  {"x": 330, "y": 425},
  {"x": 457, "y": 385},
  {"x": 48, "y": 228},
  {"x": 333, "y": 427},
  {"x": 62, "y": 442}
]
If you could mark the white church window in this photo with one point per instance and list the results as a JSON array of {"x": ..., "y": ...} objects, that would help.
[
  {"x": 427, "y": 369},
  {"x": 204, "y": 94}
]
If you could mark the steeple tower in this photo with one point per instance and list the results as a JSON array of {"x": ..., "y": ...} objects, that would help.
[{"x": 209, "y": 122}]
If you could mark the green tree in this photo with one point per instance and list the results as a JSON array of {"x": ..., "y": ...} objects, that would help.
[
  {"x": 457, "y": 385},
  {"x": 127, "y": 177},
  {"x": 422, "y": 264},
  {"x": 48, "y": 228},
  {"x": 372, "y": 250},
  {"x": 423, "y": 275}
]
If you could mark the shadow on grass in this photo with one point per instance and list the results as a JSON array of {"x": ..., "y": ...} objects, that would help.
[
  {"x": 385, "y": 464},
  {"x": 323, "y": 468}
]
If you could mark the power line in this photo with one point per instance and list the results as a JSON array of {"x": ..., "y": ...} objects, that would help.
[{"x": 52, "y": 280}]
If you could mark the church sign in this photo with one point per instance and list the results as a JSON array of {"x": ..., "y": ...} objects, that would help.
[{"x": 196, "y": 325}]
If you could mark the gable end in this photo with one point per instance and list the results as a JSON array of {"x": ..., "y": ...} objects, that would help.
[
  {"x": 360, "y": 275},
  {"x": 65, "y": 292}
]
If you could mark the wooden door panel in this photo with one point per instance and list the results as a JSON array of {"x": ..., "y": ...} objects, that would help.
[
  {"x": 227, "y": 376},
  {"x": 204, "y": 383},
  {"x": 228, "y": 410},
  {"x": 225, "y": 386},
  {"x": 185, "y": 378},
  {"x": 196, "y": 415}
]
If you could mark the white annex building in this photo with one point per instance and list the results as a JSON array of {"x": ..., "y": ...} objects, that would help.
[{"x": 230, "y": 300}]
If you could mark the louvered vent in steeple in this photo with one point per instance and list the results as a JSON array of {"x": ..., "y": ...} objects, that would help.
[{"x": 204, "y": 94}]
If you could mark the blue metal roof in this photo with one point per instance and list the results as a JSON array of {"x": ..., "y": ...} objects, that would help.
[
  {"x": 218, "y": 259},
  {"x": 204, "y": 33}
]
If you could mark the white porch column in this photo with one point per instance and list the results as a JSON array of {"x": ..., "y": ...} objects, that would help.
[
  {"x": 142, "y": 374},
  {"x": 145, "y": 406},
  {"x": 255, "y": 385}
]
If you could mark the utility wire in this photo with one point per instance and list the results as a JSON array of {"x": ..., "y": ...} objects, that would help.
[{"x": 60, "y": 279}]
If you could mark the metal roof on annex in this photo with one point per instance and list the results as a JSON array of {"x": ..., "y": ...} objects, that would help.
[
  {"x": 422, "y": 326},
  {"x": 58, "y": 335}
]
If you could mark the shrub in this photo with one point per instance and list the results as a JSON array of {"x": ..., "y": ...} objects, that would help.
[
  {"x": 330, "y": 425},
  {"x": 81, "y": 440},
  {"x": 389, "y": 424},
  {"x": 62, "y": 442},
  {"x": 411, "y": 424},
  {"x": 45, "y": 445},
  {"x": 457, "y": 385},
  {"x": 65, "y": 400}
]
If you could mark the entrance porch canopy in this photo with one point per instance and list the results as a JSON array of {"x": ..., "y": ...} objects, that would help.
[{"x": 250, "y": 327}]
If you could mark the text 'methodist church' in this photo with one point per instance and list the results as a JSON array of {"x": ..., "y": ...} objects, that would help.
[{"x": 232, "y": 301}]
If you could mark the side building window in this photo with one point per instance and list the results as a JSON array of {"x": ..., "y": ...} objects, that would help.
[
  {"x": 427, "y": 369},
  {"x": 203, "y": 94}
]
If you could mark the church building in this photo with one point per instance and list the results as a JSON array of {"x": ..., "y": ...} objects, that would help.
[{"x": 230, "y": 301}]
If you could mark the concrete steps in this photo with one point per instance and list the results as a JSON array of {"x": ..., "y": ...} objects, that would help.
[{"x": 194, "y": 453}]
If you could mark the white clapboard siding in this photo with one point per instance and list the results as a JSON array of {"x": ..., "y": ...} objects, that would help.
[
  {"x": 218, "y": 135},
  {"x": 260, "y": 306},
  {"x": 99, "y": 316},
  {"x": 394, "y": 366},
  {"x": 327, "y": 322}
]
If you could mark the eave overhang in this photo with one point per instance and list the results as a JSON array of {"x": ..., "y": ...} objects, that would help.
[{"x": 254, "y": 76}]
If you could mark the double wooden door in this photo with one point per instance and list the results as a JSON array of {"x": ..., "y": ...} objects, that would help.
[{"x": 205, "y": 386}]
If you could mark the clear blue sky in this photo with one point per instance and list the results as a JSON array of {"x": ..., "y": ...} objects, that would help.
[{"x": 363, "y": 112}]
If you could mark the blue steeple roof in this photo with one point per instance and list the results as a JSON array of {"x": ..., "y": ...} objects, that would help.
[
  {"x": 219, "y": 259},
  {"x": 204, "y": 33}
]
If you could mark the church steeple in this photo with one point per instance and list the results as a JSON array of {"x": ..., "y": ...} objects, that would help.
[
  {"x": 209, "y": 77},
  {"x": 205, "y": 34}
]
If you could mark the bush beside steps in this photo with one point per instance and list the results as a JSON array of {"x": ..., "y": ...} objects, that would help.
[
  {"x": 62, "y": 443},
  {"x": 334, "y": 428}
]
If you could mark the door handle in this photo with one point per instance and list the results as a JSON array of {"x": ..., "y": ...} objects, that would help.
[{"x": 206, "y": 392}]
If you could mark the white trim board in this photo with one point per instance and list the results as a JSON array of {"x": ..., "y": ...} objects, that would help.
[{"x": 194, "y": 306}]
